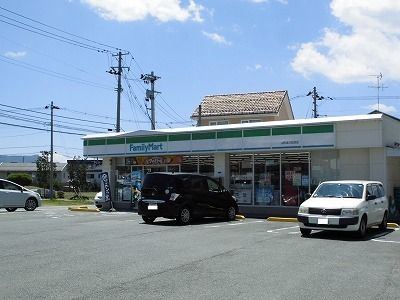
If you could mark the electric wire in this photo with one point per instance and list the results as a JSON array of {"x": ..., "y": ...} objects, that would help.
[{"x": 60, "y": 30}]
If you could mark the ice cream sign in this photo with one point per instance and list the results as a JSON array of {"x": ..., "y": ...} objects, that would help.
[{"x": 146, "y": 148}]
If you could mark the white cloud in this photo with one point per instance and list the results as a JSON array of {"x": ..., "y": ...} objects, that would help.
[
  {"x": 255, "y": 67},
  {"x": 15, "y": 55},
  {"x": 216, "y": 38},
  {"x": 382, "y": 108},
  {"x": 369, "y": 47},
  {"x": 136, "y": 10}
]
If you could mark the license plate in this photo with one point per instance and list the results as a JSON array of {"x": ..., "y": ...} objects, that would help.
[
  {"x": 322, "y": 221},
  {"x": 152, "y": 207}
]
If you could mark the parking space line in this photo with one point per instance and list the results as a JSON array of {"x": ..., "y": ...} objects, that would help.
[
  {"x": 279, "y": 229},
  {"x": 383, "y": 241},
  {"x": 233, "y": 224}
]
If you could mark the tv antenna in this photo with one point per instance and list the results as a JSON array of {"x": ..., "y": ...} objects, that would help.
[{"x": 379, "y": 86}]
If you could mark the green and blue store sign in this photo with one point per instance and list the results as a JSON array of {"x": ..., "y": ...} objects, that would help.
[{"x": 229, "y": 140}]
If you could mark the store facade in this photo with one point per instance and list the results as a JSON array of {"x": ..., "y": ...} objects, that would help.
[{"x": 268, "y": 166}]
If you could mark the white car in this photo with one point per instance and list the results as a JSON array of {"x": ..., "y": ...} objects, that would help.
[
  {"x": 13, "y": 196},
  {"x": 98, "y": 200},
  {"x": 348, "y": 205}
]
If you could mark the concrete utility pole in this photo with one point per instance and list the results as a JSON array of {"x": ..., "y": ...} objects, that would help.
[
  {"x": 316, "y": 97},
  {"x": 150, "y": 95},
  {"x": 199, "y": 118},
  {"x": 118, "y": 71},
  {"x": 52, "y": 107}
]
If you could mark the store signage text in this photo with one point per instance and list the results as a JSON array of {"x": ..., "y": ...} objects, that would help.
[{"x": 146, "y": 147}]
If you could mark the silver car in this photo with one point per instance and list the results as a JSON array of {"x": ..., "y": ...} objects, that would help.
[{"x": 13, "y": 196}]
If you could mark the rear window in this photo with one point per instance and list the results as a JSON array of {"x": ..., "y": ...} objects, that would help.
[{"x": 160, "y": 182}]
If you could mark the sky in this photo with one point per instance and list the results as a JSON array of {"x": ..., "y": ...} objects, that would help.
[{"x": 60, "y": 51}]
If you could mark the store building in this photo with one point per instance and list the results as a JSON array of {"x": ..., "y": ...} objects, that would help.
[{"x": 268, "y": 166}]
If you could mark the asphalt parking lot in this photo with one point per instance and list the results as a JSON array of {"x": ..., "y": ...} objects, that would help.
[{"x": 54, "y": 253}]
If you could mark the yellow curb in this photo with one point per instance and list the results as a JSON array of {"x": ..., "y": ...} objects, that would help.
[
  {"x": 240, "y": 217},
  {"x": 393, "y": 225},
  {"x": 278, "y": 219},
  {"x": 83, "y": 208}
]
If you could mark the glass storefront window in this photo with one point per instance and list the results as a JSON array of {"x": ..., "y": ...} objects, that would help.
[
  {"x": 241, "y": 177},
  {"x": 266, "y": 179},
  {"x": 295, "y": 178}
]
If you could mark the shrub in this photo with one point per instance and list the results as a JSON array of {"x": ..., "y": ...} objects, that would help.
[
  {"x": 60, "y": 194},
  {"x": 20, "y": 178}
]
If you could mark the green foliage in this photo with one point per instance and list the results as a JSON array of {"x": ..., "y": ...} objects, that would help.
[
  {"x": 43, "y": 170},
  {"x": 77, "y": 176},
  {"x": 23, "y": 179},
  {"x": 60, "y": 194}
]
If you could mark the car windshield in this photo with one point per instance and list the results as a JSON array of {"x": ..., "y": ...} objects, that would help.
[{"x": 339, "y": 190}]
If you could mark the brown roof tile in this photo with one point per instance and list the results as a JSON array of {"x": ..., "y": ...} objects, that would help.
[{"x": 239, "y": 104}]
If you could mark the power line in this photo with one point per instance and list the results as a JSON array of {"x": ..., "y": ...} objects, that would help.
[
  {"x": 60, "y": 30},
  {"x": 51, "y": 73}
]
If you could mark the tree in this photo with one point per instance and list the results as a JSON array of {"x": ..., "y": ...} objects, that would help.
[
  {"x": 77, "y": 176},
  {"x": 20, "y": 178},
  {"x": 43, "y": 170}
]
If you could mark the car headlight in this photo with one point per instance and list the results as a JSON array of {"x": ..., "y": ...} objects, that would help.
[
  {"x": 350, "y": 212},
  {"x": 303, "y": 210}
]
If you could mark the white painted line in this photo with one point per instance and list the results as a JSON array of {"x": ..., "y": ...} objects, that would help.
[
  {"x": 285, "y": 228},
  {"x": 233, "y": 224},
  {"x": 383, "y": 241}
]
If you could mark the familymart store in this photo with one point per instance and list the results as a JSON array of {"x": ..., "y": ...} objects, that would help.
[{"x": 268, "y": 166}]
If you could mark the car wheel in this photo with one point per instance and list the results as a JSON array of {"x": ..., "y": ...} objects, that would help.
[
  {"x": 11, "y": 209},
  {"x": 148, "y": 220},
  {"x": 383, "y": 225},
  {"x": 30, "y": 204},
  {"x": 231, "y": 213},
  {"x": 305, "y": 232},
  {"x": 184, "y": 216},
  {"x": 362, "y": 230}
]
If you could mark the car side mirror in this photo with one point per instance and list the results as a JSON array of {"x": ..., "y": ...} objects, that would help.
[
  {"x": 371, "y": 197},
  {"x": 307, "y": 195}
]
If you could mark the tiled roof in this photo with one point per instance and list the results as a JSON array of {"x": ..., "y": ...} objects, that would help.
[{"x": 239, "y": 104}]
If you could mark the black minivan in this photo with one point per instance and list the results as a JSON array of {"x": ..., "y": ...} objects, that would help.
[{"x": 184, "y": 196}]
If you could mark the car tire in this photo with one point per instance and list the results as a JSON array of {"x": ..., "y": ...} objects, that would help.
[
  {"x": 383, "y": 225},
  {"x": 11, "y": 209},
  {"x": 231, "y": 213},
  {"x": 184, "y": 217},
  {"x": 362, "y": 229},
  {"x": 305, "y": 232},
  {"x": 30, "y": 204},
  {"x": 148, "y": 220}
]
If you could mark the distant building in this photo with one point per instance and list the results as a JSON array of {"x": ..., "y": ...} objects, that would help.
[
  {"x": 93, "y": 170},
  {"x": 243, "y": 108},
  {"x": 7, "y": 169}
]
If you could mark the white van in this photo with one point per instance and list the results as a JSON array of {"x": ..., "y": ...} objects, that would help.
[{"x": 347, "y": 205}]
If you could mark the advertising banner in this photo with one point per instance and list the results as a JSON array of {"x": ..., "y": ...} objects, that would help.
[{"x": 105, "y": 187}]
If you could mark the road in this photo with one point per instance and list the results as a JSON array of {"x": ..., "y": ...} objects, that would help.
[{"x": 53, "y": 253}]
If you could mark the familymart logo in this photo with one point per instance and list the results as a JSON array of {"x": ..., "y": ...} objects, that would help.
[{"x": 150, "y": 147}]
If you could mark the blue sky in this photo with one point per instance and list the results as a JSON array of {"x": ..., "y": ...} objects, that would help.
[{"x": 198, "y": 48}]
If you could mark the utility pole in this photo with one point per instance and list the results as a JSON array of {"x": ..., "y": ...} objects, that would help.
[
  {"x": 316, "y": 97},
  {"x": 52, "y": 107},
  {"x": 151, "y": 78},
  {"x": 199, "y": 118},
  {"x": 118, "y": 71}
]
